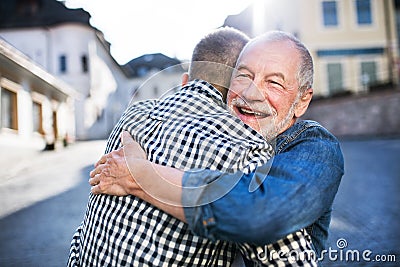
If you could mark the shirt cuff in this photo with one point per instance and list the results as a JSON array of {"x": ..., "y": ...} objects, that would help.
[
  {"x": 189, "y": 200},
  {"x": 196, "y": 199}
]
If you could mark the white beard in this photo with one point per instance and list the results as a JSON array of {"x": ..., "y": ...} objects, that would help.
[{"x": 271, "y": 131}]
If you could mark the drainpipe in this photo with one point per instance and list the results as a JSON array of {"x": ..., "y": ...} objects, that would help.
[{"x": 389, "y": 38}]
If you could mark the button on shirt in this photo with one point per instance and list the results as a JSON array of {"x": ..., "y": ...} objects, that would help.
[{"x": 190, "y": 129}]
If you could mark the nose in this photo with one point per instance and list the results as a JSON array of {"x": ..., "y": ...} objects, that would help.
[{"x": 253, "y": 93}]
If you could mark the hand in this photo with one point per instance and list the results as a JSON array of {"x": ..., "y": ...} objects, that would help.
[
  {"x": 117, "y": 173},
  {"x": 111, "y": 174}
]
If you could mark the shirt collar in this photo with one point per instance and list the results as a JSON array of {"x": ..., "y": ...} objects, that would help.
[{"x": 204, "y": 87}]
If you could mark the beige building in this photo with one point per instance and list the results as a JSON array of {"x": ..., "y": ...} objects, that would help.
[{"x": 353, "y": 42}]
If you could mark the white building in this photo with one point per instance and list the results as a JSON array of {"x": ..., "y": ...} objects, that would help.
[
  {"x": 155, "y": 75},
  {"x": 63, "y": 42},
  {"x": 37, "y": 109}
]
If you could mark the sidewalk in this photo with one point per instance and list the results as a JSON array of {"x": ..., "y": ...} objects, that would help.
[
  {"x": 28, "y": 175},
  {"x": 15, "y": 160}
]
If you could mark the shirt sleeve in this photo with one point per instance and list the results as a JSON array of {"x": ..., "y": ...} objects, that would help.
[{"x": 298, "y": 188}]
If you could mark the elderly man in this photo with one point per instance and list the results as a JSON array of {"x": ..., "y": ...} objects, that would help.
[{"x": 274, "y": 72}]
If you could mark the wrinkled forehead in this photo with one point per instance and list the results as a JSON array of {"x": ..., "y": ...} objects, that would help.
[
  {"x": 259, "y": 47},
  {"x": 270, "y": 55}
]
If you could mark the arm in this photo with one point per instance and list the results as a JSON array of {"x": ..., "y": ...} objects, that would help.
[
  {"x": 291, "y": 197},
  {"x": 126, "y": 171},
  {"x": 299, "y": 188}
]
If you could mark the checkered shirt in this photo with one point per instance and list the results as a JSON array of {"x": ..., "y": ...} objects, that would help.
[
  {"x": 189, "y": 129},
  {"x": 293, "y": 250}
]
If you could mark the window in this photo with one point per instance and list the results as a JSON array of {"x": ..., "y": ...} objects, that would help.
[
  {"x": 329, "y": 11},
  {"x": 364, "y": 16},
  {"x": 63, "y": 64},
  {"x": 55, "y": 124},
  {"x": 27, "y": 8},
  {"x": 37, "y": 117},
  {"x": 335, "y": 78},
  {"x": 85, "y": 64},
  {"x": 8, "y": 109},
  {"x": 368, "y": 73}
]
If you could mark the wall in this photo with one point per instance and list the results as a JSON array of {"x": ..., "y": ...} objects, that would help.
[{"x": 373, "y": 114}]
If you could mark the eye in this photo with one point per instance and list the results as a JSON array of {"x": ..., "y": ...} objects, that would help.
[
  {"x": 243, "y": 75},
  {"x": 275, "y": 84}
]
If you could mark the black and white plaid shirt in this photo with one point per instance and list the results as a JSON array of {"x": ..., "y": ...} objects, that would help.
[{"x": 189, "y": 129}]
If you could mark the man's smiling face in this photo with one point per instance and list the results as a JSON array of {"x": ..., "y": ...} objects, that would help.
[{"x": 264, "y": 89}]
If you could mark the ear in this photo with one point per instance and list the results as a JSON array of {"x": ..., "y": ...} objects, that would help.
[
  {"x": 304, "y": 101},
  {"x": 185, "y": 78}
]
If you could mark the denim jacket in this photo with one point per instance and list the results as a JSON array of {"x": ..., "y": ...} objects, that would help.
[{"x": 297, "y": 191}]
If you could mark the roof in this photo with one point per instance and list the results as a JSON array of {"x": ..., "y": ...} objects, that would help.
[
  {"x": 140, "y": 66},
  {"x": 16, "y": 14},
  {"x": 241, "y": 21},
  {"x": 14, "y": 63},
  {"x": 38, "y": 13}
]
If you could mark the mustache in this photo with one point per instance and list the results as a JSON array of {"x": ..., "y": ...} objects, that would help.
[{"x": 258, "y": 107}]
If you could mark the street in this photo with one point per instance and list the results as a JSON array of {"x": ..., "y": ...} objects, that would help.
[
  {"x": 43, "y": 197},
  {"x": 366, "y": 210},
  {"x": 43, "y": 201}
]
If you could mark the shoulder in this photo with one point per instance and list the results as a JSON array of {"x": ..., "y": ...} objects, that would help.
[
  {"x": 204, "y": 89},
  {"x": 137, "y": 108},
  {"x": 143, "y": 104},
  {"x": 305, "y": 129},
  {"x": 308, "y": 136}
]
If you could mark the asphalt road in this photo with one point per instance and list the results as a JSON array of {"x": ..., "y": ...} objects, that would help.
[
  {"x": 366, "y": 211},
  {"x": 43, "y": 198}
]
